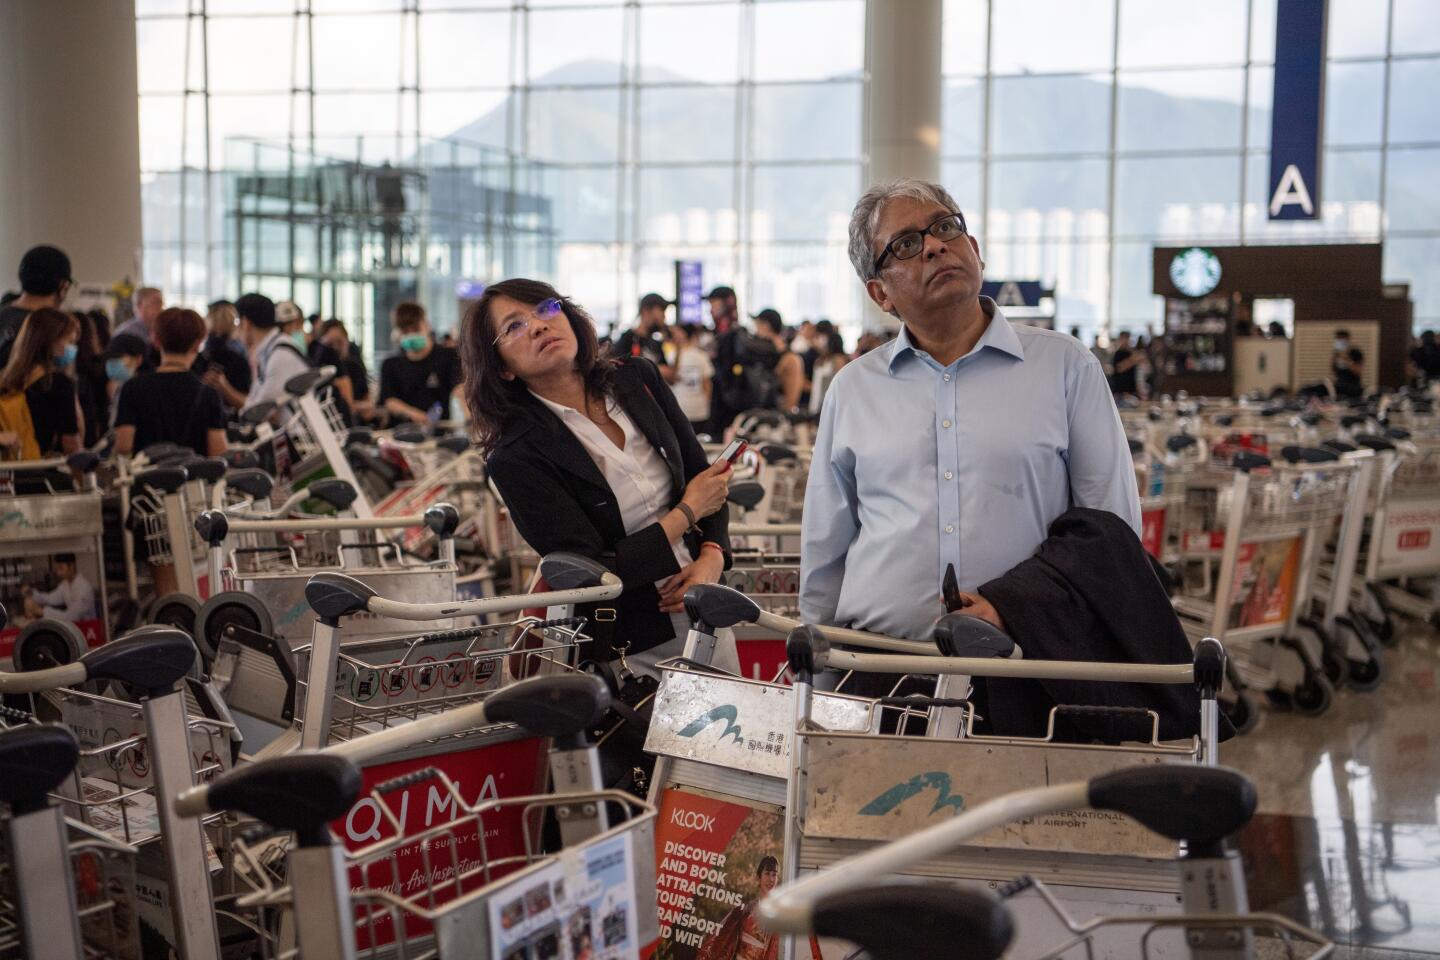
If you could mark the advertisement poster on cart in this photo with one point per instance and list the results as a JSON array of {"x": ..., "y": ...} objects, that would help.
[
  {"x": 715, "y": 859},
  {"x": 1412, "y": 537},
  {"x": 581, "y": 907},
  {"x": 61, "y": 587},
  {"x": 513, "y": 768},
  {"x": 1264, "y": 586}
]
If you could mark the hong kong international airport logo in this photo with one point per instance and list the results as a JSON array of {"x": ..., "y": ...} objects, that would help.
[
  {"x": 726, "y": 712},
  {"x": 933, "y": 780}
]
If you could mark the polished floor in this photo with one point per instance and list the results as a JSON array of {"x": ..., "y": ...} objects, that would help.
[{"x": 1347, "y": 838}]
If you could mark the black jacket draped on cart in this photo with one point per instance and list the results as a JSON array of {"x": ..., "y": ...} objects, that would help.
[
  {"x": 559, "y": 499},
  {"x": 1090, "y": 592}
]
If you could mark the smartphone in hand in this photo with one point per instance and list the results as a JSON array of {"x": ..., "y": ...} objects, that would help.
[{"x": 732, "y": 452}]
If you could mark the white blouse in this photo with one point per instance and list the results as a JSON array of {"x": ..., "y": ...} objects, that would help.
[{"x": 638, "y": 474}]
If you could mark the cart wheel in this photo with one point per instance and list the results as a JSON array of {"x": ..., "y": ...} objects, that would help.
[
  {"x": 47, "y": 643},
  {"x": 1313, "y": 697},
  {"x": 1364, "y": 674},
  {"x": 223, "y": 610},
  {"x": 176, "y": 610},
  {"x": 1242, "y": 713},
  {"x": 1379, "y": 615}
]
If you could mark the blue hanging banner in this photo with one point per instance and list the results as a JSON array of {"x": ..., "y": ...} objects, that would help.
[
  {"x": 689, "y": 283},
  {"x": 1014, "y": 293},
  {"x": 1297, "y": 110}
]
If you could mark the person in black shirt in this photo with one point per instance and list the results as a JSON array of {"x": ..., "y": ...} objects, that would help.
[
  {"x": 1124, "y": 361},
  {"x": 46, "y": 344},
  {"x": 647, "y": 338},
  {"x": 44, "y": 282},
  {"x": 90, "y": 381},
  {"x": 336, "y": 338},
  {"x": 222, "y": 362},
  {"x": 1347, "y": 366},
  {"x": 423, "y": 375},
  {"x": 170, "y": 403},
  {"x": 1426, "y": 357}
]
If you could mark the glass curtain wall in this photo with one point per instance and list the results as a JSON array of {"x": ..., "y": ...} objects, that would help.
[
  {"x": 1079, "y": 134},
  {"x": 724, "y": 131}
]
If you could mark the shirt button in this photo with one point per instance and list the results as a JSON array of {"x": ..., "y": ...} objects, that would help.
[
  {"x": 945, "y": 423},
  {"x": 949, "y": 528},
  {"x": 947, "y": 378},
  {"x": 949, "y": 475}
]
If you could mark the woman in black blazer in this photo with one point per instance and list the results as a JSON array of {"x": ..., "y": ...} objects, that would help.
[{"x": 555, "y": 419}]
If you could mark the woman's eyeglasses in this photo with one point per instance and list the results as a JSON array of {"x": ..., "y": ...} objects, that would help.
[
  {"x": 910, "y": 244},
  {"x": 545, "y": 309}
]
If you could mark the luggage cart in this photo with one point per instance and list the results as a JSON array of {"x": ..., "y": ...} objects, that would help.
[
  {"x": 472, "y": 895},
  {"x": 1255, "y": 534},
  {"x": 848, "y": 791},
  {"x": 1403, "y": 559},
  {"x": 43, "y": 512},
  {"x": 1197, "y": 806},
  {"x": 122, "y": 783},
  {"x": 313, "y": 434},
  {"x": 66, "y": 891}
]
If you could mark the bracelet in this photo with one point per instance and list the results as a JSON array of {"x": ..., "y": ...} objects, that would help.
[
  {"x": 689, "y": 515},
  {"x": 712, "y": 543}
]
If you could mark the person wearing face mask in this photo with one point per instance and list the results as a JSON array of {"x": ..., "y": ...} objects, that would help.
[
  {"x": 44, "y": 282},
  {"x": 45, "y": 346},
  {"x": 317, "y": 354},
  {"x": 596, "y": 457},
  {"x": 416, "y": 384},
  {"x": 124, "y": 356},
  {"x": 1347, "y": 365},
  {"x": 171, "y": 404}
]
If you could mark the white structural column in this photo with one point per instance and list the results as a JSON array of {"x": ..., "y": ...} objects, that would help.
[
  {"x": 902, "y": 109},
  {"x": 69, "y": 135},
  {"x": 902, "y": 105}
]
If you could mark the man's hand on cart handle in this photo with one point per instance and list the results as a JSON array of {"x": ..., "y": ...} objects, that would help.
[{"x": 975, "y": 605}]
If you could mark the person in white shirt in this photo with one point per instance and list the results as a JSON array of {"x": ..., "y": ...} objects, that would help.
[
  {"x": 275, "y": 357},
  {"x": 73, "y": 599},
  {"x": 694, "y": 375}
]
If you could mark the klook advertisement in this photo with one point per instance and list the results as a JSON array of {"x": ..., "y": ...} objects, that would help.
[{"x": 716, "y": 858}]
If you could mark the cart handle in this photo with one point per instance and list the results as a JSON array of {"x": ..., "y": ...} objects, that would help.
[
  {"x": 562, "y": 707},
  {"x": 746, "y": 494},
  {"x": 301, "y": 792},
  {"x": 34, "y": 759},
  {"x": 81, "y": 461},
  {"x": 844, "y": 660},
  {"x": 900, "y": 921},
  {"x": 303, "y": 383},
  {"x": 581, "y": 580},
  {"x": 961, "y": 635},
  {"x": 208, "y": 469},
  {"x": 765, "y": 529},
  {"x": 711, "y": 606},
  {"x": 1200, "y": 805},
  {"x": 153, "y": 658},
  {"x": 214, "y": 525}
]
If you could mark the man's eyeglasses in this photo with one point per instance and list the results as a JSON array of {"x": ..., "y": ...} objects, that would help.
[
  {"x": 910, "y": 244},
  {"x": 545, "y": 309}
]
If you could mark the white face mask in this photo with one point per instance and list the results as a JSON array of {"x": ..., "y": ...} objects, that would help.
[{"x": 1341, "y": 343}]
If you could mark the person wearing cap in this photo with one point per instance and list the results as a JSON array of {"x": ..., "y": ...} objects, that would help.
[
  {"x": 647, "y": 338},
  {"x": 275, "y": 357},
  {"x": 789, "y": 368},
  {"x": 44, "y": 282}
]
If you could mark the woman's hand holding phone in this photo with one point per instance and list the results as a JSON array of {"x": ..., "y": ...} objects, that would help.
[{"x": 707, "y": 490}]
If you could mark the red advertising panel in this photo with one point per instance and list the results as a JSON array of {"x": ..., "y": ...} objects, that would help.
[{"x": 511, "y": 769}]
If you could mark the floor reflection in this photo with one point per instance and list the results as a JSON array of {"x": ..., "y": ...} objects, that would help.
[{"x": 1347, "y": 839}]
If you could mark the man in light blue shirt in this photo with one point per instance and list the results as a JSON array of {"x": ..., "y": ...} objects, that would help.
[{"x": 958, "y": 442}]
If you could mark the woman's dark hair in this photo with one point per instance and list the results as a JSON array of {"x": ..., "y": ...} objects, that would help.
[
  {"x": 35, "y": 347},
  {"x": 489, "y": 396},
  {"x": 767, "y": 862}
]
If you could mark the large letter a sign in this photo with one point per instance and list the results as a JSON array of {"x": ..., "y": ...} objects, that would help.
[{"x": 1297, "y": 111}]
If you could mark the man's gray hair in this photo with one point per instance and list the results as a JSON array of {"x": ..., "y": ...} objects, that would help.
[{"x": 866, "y": 216}]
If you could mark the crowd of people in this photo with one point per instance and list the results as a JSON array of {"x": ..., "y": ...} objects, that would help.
[{"x": 165, "y": 374}]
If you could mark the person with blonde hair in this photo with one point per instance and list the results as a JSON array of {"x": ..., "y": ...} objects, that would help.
[{"x": 222, "y": 363}]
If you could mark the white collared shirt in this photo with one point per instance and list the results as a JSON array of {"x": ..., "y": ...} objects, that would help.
[{"x": 638, "y": 474}]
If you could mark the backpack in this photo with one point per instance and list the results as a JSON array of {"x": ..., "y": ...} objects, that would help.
[
  {"x": 750, "y": 381},
  {"x": 15, "y": 418}
]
